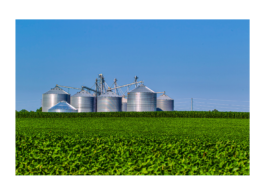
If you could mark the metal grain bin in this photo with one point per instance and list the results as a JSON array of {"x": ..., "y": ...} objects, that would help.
[
  {"x": 165, "y": 103},
  {"x": 124, "y": 104},
  {"x": 52, "y": 97},
  {"x": 141, "y": 99},
  {"x": 109, "y": 102},
  {"x": 95, "y": 102},
  {"x": 62, "y": 106},
  {"x": 83, "y": 101}
]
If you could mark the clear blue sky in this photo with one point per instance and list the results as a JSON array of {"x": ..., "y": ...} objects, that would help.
[{"x": 207, "y": 60}]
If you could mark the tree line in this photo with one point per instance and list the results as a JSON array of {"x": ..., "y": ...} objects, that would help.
[{"x": 24, "y": 110}]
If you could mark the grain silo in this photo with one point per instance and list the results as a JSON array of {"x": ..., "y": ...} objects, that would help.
[
  {"x": 141, "y": 99},
  {"x": 165, "y": 103},
  {"x": 95, "y": 102},
  {"x": 52, "y": 97},
  {"x": 124, "y": 104},
  {"x": 62, "y": 106},
  {"x": 83, "y": 101},
  {"x": 109, "y": 102}
]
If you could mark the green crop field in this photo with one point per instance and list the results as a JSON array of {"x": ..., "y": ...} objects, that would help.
[
  {"x": 132, "y": 146},
  {"x": 179, "y": 114}
]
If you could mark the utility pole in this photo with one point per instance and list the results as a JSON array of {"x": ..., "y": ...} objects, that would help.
[{"x": 191, "y": 104}]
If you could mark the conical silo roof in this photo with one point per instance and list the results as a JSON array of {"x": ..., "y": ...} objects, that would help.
[
  {"x": 62, "y": 106},
  {"x": 164, "y": 97},
  {"x": 83, "y": 93},
  {"x": 56, "y": 90},
  {"x": 109, "y": 93},
  {"x": 141, "y": 88}
]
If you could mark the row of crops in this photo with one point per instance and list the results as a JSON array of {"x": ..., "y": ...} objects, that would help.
[
  {"x": 132, "y": 146},
  {"x": 180, "y": 114}
]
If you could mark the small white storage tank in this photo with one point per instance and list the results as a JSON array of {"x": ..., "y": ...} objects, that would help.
[
  {"x": 109, "y": 102},
  {"x": 165, "y": 103},
  {"x": 63, "y": 106},
  {"x": 83, "y": 101},
  {"x": 124, "y": 104},
  {"x": 52, "y": 97}
]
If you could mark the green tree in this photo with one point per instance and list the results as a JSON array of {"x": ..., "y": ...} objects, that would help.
[
  {"x": 39, "y": 110},
  {"x": 215, "y": 110},
  {"x": 23, "y": 110}
]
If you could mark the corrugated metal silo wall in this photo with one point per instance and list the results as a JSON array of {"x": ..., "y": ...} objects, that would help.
[
  {"x": 49, "y": 100},
  {"x": 95, "y": 103},
  {"x": 141, "y": 101},
  {"x": 109, "y": 104},
  {"x": 83, "y": 104},
  {"x": 124, "y": 106},
  {"x": 165, "y": 105}
]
